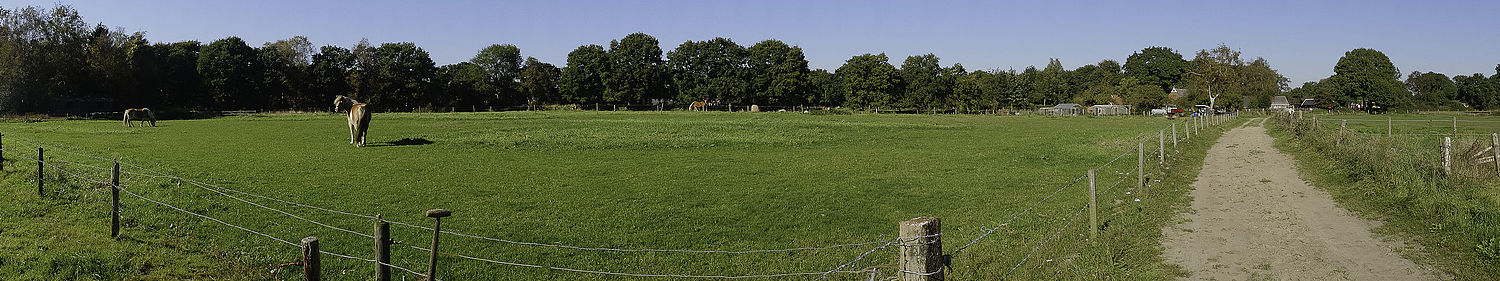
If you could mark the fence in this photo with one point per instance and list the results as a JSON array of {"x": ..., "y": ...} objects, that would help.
[
  {"x": 920, "y": 256},
  {"x": 1457, "y": 146}
]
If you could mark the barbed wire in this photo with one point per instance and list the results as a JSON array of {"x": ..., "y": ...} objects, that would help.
[{"x": 622, "y": 273}]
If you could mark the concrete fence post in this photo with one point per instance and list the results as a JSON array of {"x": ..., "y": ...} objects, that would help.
[
  {"x": 382, "y": 249},
  {"x": 1140, "y": 168},
  {"x": 1161, "y": 147},
  {"x": 311, "y": 262},
  {"x": 1447, "y": 156},
  {"x": 1093, "y": 209},
  {"x": 921, "y": 255},
  {"x": 437, "y": 224},
  {"x": 114, "y": 201},
  {"x": 1174, "y": 135}
]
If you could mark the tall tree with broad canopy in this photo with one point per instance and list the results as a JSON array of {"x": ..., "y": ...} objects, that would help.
[
  {"x": 404, "y": 75},
  {"x": 636, "y": 74},
  {"x": 927, "y": 85},
  {"x": 503, "y": 64},
  {"x": 286, "y": 72},
  {"x": 825, "y": 87},
  {"x": 779, "y": 73},
  {"x": 462, "y": 83},
  {"x": 329, "y": 73},
  {"x": 1367, "y": 77},
  {"x": 232, "y": 74},
  {"x": 539, "y": 82},
  {"x": 869, "y": 81},
  {"x": 714, "y": 69},
  {"x": 1432, "y": 91},
  {"x": 582, "y": 79},
  {"x": 1158, "y": 66}
]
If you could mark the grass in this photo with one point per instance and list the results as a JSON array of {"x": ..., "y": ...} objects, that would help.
[
  {"x": 1449, "y": 218},
  {"x": 673, "y": 180}
]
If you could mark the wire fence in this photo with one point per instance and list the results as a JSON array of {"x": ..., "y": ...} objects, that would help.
[{"x": 143, "y": 177}]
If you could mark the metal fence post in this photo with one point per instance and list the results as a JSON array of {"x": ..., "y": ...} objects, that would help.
[
  {"x": 114, "y": 201},
  {"x": 921, "y": 255},
  {"x": 39, "y": 167},
  {"x": 437, "y": 224},
  {"x": 310, "y": 260}
]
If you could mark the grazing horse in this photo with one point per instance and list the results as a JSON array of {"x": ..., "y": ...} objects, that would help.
[
  {"x": 139, "y": 114},
  {"x": 359, "y": 118},
  {"x": 699, "y": 106}
]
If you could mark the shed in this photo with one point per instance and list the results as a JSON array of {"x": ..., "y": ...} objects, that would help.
[
  {"x": 1109, "y": 109},
  {"x": 1280, "y": 103},
  {"x": 1062, "y": 109}
]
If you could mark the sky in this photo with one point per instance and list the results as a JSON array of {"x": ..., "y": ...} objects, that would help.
[{"x": 1302, "y": 39}]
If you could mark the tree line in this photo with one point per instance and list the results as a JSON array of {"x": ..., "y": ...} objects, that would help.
[
  {"x": 52, "y": 61},
  {"x": 1365, "y": 79}
]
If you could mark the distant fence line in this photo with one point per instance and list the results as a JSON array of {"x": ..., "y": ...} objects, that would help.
[{"x": 928, "y": 263}]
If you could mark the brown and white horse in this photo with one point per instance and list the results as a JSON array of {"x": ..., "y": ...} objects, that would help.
[
  {"x": 359, "y": 118},
  {"x": 701, "y": 105},
  {"x": 139, "y": 114}
]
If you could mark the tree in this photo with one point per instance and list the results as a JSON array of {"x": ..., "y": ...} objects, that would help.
[
  {"x": 636, "y": 72},
  {"x": 825, "y": 88},
  {"x": 329, "y": 74},
  {"x": 181, "y": 85},
  {"x": 286, "y": 65},
  {"x": 1477, "y": 92},
  {"x": 1367, "y": 77},
  {"x": 462, "y": 83},
  {"x": 503, "y": 64},
  {"x": 1432, "y": 91},
  {"x": 1159, "y": 66},
  {"x": 1050, "y": 85},
  {"x": 1214, "y": 74},
  {"x": 539, "y": 81},
  {"x": 403, "y": 77},
  {"x": 778, "y": 73},
  {"x": 926, "y": 84},
  {"x": 869, "y": 81},
  {"x": 1261, "y": 82},
  {"x": 582, "y": 79},
  {"x": 232, "y": 74},
  {"x": 714, "y": 69}
]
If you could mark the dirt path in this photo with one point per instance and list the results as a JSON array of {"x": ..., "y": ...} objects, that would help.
[{"x": 1253, "y": 218}]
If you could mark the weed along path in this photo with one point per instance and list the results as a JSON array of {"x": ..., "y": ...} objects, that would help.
[{"x": 1253, "y": 218}]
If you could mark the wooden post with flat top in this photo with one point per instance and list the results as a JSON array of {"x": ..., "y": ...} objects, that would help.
[
  {"x": 921, "y": 255},
  {"x": 310, "y": 260},
  {"x": 437, "y": 224},
  {"x": 382, "y": 249},
  {"x": 39, "y": 163},
  {"x": 1447, "y": 156},
  {"x": 1140, "y": 168}
]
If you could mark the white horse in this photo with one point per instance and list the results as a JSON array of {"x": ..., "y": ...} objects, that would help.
[
  {"x": 359, "y": 118},
  {"x": 139, "y": 114}
]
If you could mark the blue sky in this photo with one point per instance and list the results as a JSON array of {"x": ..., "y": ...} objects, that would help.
[{"x": 1302, "y": 39}]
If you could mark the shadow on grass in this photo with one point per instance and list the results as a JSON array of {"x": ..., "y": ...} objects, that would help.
[{"x": 404, "y": 142}]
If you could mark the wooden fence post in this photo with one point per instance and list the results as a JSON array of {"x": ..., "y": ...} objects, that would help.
[
  {"x": 1455, "y": 127},
  {"x": 1388, "y": 127},
  {"x": 1447, "y": 156},
  {"x": 382, "y": 249},
  {"x": 1093, "y": 209},
  {"x": 1187, "y": 130},
  {"x": 1161, "y": 147},
  {"x": 1140, "y": 167},
  {"x": 921, "y": 249},
  {"x": 437, "y": 223},
  {"x": 114, "y": 201},
  {"x": 1174, "y": 135},
  {"x": 1343, "y": 124},
  {"x": 1315, "y": 123},
  {"x": 310, "y": 260},
  {"x": 2, "y": 152},
  {"x": 39, "y": 167},
  {"x": 1495, "y": 151}
]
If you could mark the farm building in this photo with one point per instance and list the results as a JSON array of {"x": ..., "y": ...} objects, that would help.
[
  {"x": 1279, "y": 103},
  {"x": 1109, "y": 109},
  {"x": 1062, "y": 109},
  {"x": 1308, "y": 104}
]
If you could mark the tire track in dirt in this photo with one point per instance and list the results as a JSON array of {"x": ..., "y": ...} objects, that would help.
[{"x": 1253, "y": 218}]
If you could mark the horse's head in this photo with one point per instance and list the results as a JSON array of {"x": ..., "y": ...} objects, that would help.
[{"x": 342, "y": 103}]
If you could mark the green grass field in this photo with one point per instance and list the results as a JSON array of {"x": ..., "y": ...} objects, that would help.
[{"x": 630, "y": 180}]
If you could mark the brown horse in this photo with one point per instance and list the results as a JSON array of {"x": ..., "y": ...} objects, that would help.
[
  {"x": 359, "y": 118},
  {"x": 699, "y": 106},
  {"x": 139, "y": 114}
]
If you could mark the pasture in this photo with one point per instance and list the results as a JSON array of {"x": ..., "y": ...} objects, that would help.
[{"x": 624, "y": 180}]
